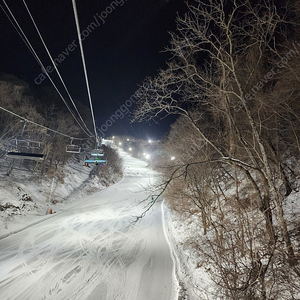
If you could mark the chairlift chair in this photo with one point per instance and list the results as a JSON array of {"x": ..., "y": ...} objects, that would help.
[
  {"x": 21, "y": 148},
  {"x": 24, "y": 155},
  {"x": 97, "y": 152},
  {"x": 73, "y": 148},
  {"x": 19, "y": 144},
  {"x": 89, "y": 161},
  {"x": 98, "y": 162}
]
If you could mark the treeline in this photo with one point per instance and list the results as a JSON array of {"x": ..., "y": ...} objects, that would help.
[
  {"x": 42, "y": 107},
  {"x": 233, "y": 80}
]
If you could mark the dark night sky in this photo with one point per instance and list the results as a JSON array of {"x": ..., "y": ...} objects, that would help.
[{"x": 120, "y": 52}]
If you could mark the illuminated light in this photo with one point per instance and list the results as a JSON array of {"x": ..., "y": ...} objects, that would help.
[
  {"x": 120, "y": 143},
  {"x": 173, "y": 157},
  {"x": 150, "y": 141},
  {"x": 148, "y": 156},
  {"x": 130, "y": 149}
]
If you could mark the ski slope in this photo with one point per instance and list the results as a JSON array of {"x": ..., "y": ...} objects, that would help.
[{"x": 93, "y": 250}]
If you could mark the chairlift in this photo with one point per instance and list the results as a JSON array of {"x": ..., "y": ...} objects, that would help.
[
  {"x": 20, "y": 144},
  {"x": 73, "y": 148},
  {"x": 99, "y": 161},
  {"x": 97, "y": 152},
  {"x": 24, "y": 155},
  {"x": 21, "y": 148},
  {"x": 96, "y": 160},
  {"x": 23, "y": 144}
]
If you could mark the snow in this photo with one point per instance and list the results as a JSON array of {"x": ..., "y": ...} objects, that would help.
[
  {"x": 63, "y": 191},
  {"x": 91, "y": 248},
  {"x": 194, "y": 281},
  {"x": 194, "y": 274}
]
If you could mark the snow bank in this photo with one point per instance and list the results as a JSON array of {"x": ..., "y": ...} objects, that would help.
[
  {"x": 25, "y": 197},
  {"x": 194, "y": 278}
]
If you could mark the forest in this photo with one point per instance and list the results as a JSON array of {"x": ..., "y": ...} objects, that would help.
[{"x": 233, "y": 81}]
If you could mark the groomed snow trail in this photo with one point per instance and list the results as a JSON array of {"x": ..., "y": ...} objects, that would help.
[{"x": 93, "y": 250}]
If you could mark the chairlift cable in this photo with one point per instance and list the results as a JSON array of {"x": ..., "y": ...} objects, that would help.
[
  {"x": 18, "y": 31},
  {"x": 28, "y": 44},
  {"x": 55, "y": 67},
  {"x": 84, "y": 67}
]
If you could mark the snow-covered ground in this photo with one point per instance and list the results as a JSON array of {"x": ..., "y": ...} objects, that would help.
[
  {"x": 194, "y": 280},
  {"x": 90, "y": 248},
  {"x": 194, "y": 283},
  {"x": 25, "y": 198}
]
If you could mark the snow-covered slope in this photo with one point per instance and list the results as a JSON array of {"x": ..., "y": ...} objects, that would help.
[
  {"x": 25, "y": 197},
  {"x": 93, "y": 249}
]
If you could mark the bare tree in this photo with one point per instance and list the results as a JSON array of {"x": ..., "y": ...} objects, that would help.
[{"x": 223, "y": 81}]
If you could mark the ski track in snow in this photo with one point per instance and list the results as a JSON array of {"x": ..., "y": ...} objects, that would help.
[{"x": 93, "y": 251}]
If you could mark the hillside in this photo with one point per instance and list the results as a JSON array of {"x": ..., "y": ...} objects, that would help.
[{"x": 25, "y": 196}]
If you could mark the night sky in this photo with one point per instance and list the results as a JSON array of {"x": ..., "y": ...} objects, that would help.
[{"x": 122, "y": 49}]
